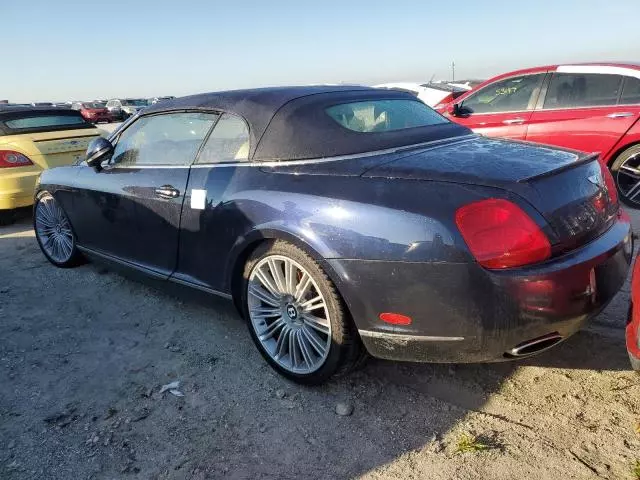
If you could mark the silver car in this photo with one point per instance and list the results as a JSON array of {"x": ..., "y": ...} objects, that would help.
[{"x": 123, "y": 108}]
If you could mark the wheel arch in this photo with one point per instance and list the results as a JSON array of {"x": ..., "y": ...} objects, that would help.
[
  {"x": 619, "y": 149},
  {"x": 247, "y": 244}
]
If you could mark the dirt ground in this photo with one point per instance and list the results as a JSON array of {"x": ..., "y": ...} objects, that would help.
[{"x": 84, "y": 353}]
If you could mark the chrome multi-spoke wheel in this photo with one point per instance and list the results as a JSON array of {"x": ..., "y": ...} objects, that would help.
[
  {"x": 626, "y": 173},
  {"x": 628, "y": 179},
  {"x": 53, "y": 231},
  {"x": 289, "y": 314}
]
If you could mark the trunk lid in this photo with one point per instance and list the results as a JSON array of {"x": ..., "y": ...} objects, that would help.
[
  {"x": 54, "y": 149},
  {"x": 566, "y": 187}
]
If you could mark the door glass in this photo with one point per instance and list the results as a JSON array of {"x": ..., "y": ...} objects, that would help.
[
  {"x": 170, "y": 139},
  {"x": 229, "y": 141},
  {"x": 630, "y": 91},
  {"x": 569, "y": 90},
  {"x": 509, "y": 95}
]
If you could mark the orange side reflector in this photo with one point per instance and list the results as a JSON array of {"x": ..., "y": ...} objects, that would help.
[{"x": 395, "y": 319}]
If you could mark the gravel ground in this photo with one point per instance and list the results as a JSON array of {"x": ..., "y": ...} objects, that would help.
[{"x": 84, "y": 354}]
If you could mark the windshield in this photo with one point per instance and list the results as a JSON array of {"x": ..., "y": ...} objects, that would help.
[
  {"x": 135, "y": 102},
  {"x": 94, "y": 105}
]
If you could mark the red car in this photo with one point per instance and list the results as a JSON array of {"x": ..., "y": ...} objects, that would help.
[
  {"x": 94, "y": 112},
  {"x": 633, "y": 322},
  {"x": 588, "y": 107}
]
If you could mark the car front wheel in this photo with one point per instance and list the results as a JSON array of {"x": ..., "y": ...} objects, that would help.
[
  {"x": 296, "y": 317},
  {"x": 54, "y": 233}
]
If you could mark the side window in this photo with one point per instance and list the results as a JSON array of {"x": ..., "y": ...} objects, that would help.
[
  {"x": 169, "y": 139},
  {"x": 630, "y": 91},
  {"x": 569, "y": 90},
  {"x": 229, "y": 141},
  {"x": 509, "y": 95}
]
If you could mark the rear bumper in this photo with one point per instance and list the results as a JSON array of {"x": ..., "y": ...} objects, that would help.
[
  {"x": 17, "y": 186},
  {"x": 464, "y": 313}
]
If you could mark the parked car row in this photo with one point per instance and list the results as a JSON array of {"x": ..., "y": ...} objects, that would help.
[{"x": 95, "y": 111}]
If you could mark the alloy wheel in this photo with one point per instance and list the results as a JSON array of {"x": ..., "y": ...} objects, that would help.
[
  {"x": 53, "y": 230},
  {"x": 289, "y": 314},
  {"x": 628, "y": 179}
]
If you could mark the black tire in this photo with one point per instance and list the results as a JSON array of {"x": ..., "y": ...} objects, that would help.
[
  {"x": 623, "y": 181},
  {"x": 345, "y": 351},
  {"x": 7, "y": 217},
  {"x": 75, "y": 258}
]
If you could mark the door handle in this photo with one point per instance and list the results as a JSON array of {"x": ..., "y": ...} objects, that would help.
[
  {"x": 620, "y": 115},
  {"x": 513, "y": 121},
  {"x": 167, "y": 191}
]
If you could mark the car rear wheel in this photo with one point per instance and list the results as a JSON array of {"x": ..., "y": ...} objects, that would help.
[
  {"x": 626, "y": 172},
  {"x": 295, "y": 315},
  {"x": 54, "y": 233}
]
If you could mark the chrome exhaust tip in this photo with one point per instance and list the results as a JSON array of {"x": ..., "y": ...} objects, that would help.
[{"x": 536, "y": 345}]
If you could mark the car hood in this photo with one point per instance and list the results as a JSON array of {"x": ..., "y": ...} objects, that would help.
[{"x": 95, "y": 110}]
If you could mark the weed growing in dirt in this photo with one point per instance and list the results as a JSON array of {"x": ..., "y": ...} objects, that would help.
[
  {"x": 636, "y": 470},
  {"x": 469, "y": 443}
]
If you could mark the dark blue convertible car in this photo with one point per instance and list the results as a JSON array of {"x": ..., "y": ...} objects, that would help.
[{"x": 347, "y": 220}]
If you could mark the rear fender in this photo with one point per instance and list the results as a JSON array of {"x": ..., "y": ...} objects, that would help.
[{"x": 245, "y": 245}]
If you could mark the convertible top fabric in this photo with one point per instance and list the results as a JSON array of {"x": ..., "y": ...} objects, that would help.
[{"x": 290, "y": 123}]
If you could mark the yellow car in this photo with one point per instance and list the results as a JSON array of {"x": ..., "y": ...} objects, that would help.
[{"x": 32, "y": 140}]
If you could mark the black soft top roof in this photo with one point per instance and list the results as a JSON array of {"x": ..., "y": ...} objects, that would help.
[{"x": 290, "y": 123}]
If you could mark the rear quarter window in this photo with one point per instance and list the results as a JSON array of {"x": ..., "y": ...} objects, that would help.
[
  {"x": 630, "y": 91},
  {"x": 384, "y": 115}
]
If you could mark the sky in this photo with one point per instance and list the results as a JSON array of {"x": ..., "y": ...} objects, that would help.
[{"x": 62, "y": 50}]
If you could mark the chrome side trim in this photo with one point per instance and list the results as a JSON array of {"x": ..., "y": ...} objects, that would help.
[
  {"x": 124, "y": 263},
  {"x": 434, "y": 143},
  {"x": 151, "y": 273},
  {"x": 141, "y": 167},
  {"x": 408, "y": 338},
  {"x": 201, "y": 288}
]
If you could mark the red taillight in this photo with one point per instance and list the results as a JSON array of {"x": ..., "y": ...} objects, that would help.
[
  {"x": 500, "y": 235},
  {"x": 9, "y": 158},
  {"x": 395, "y": 318},
  {"x": 610, "y": 184}
]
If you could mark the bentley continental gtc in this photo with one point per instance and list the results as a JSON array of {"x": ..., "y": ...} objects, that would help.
[{"x": 344, "y": 221}]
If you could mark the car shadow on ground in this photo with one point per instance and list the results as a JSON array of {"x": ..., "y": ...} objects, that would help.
[{"x": 238, "y": 418}]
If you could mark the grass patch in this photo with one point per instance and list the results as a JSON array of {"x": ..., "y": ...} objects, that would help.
[
  {"x": 636, "y": 470},
  {"x": 469, "y": 443}
]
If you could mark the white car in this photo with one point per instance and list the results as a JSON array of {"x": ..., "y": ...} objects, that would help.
[{"x": 430, "y": 93}]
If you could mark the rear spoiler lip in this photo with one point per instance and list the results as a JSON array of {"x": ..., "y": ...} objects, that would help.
[{"x": 580, "y": 161}]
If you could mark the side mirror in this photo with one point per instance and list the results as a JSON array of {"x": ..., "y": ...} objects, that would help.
[
  {"x": 453, "y": 109},
  {"x": 99, "y": 150}
]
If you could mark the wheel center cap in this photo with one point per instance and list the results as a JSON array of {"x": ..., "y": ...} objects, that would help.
[
  {"x": 292, "y": 312},
  {"x": 58, "y": 229}
]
